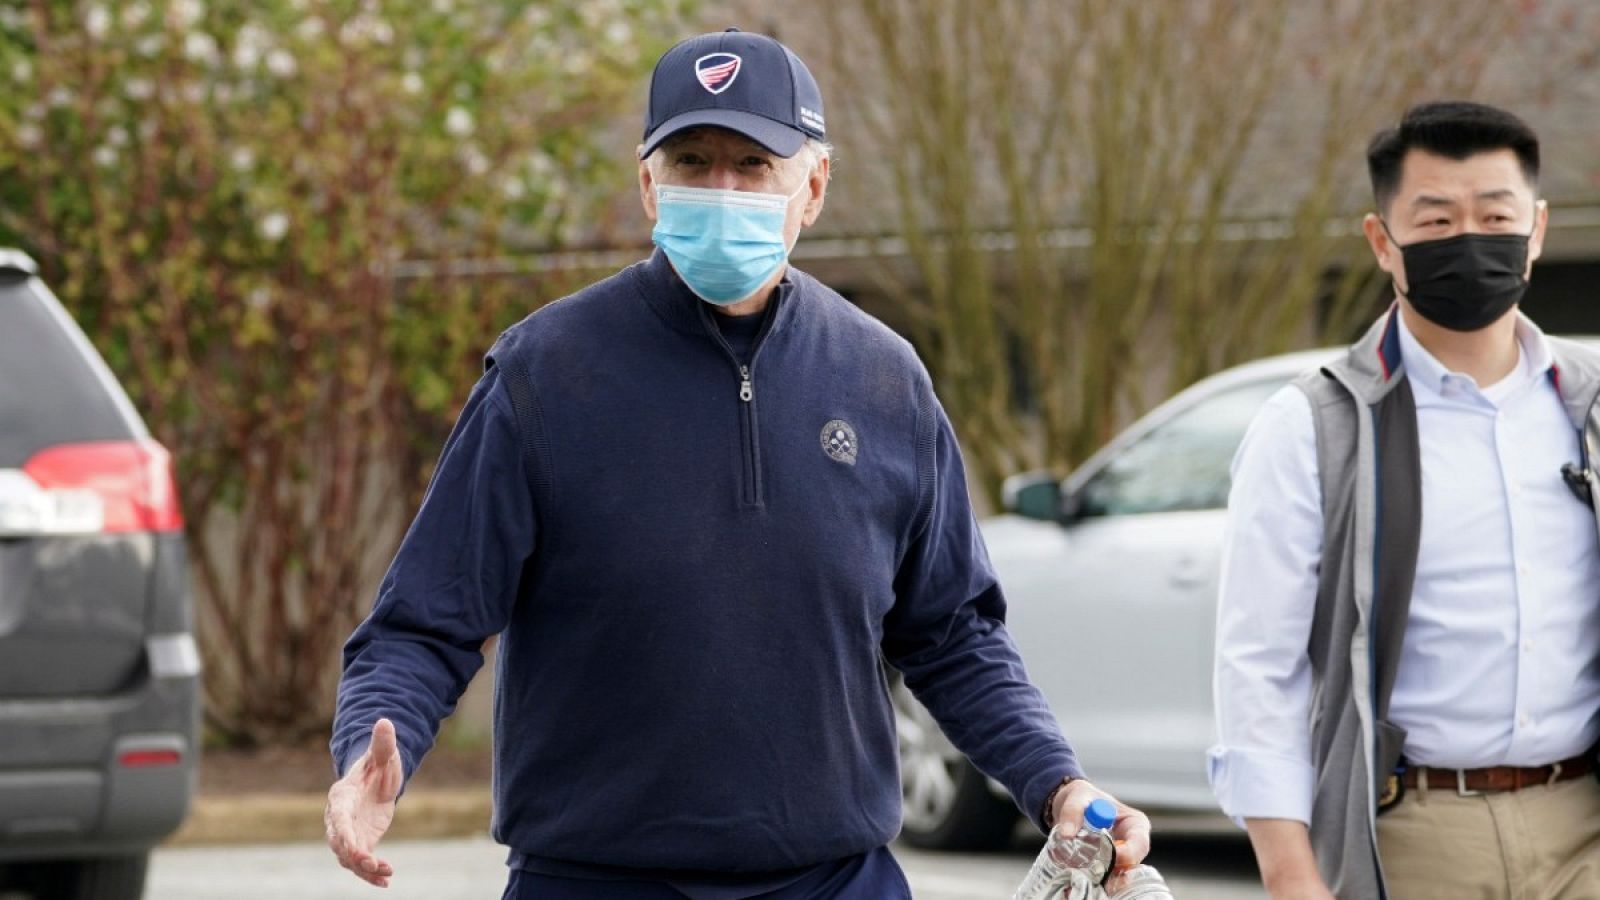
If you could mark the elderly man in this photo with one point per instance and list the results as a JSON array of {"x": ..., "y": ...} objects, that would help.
[
  {"x": 1408, "y": 641},
  {"x": 699, "y": 501}
]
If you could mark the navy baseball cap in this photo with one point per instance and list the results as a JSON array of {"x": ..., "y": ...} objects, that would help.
[{"x": 737, "y": 80}]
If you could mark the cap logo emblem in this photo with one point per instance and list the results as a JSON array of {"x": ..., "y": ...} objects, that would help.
[{"x": 716, "y": 71}]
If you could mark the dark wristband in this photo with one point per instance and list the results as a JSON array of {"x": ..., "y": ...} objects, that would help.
[{"x": 1048, "y": 817}]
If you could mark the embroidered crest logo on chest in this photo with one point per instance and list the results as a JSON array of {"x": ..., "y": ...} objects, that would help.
[{"x": 839, "y": 441}]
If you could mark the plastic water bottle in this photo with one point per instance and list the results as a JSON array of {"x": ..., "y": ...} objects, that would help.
[
  {"x": 1138, "y": 883},
  {"x": 1074, "y": 885},
  {"x": 1089, "y": 852}
]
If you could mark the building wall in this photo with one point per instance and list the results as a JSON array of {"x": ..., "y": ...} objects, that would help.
[{"x": 1564, "y": 296}]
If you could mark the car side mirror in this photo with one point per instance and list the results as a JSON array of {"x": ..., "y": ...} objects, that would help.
[
  {"x": 1033, "y": 495},
  {"x": 1070, "y": 507}
]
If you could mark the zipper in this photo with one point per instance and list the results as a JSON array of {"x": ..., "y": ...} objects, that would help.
[
  {"x": 752, "y": 445},
  {"x": 750, "y": 487}
]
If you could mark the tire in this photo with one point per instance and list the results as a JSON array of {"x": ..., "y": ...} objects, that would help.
[
  {"x": 947, "y": 802},
  {"x": 101, "y": 878}
]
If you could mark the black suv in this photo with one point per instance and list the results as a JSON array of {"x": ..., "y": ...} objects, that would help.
[{"x": 98, "y": 664}]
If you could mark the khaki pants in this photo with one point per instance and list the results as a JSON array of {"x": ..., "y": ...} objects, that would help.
[{"x": 1539, "y": 843}]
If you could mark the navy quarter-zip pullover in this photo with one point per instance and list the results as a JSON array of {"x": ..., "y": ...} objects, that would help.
[{"x": 694, "y": 563}]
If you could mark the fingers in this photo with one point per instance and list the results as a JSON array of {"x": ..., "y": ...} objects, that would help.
[
  {"x": 383, "y": 743},
  {"x": 383, "y": 769},
  {"x": 370, "y": 869},
  {"x": 351, "y": 855},
  {"x": 1071, "y": 801},
  {"x": 1132, "y": 834},
  {"x": 346, "y": 840},
  {"x": 1131, "y": 830},
  {"x": 361, "y": 806}
]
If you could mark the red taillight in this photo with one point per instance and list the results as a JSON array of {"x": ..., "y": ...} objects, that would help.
[
  {"x": 145, "y": 759},
  {"x": 133, "y": 479}
]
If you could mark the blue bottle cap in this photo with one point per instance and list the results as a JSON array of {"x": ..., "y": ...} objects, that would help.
[{"x": 1100, "y": 814}]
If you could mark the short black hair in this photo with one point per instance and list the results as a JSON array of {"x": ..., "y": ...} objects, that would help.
[{"x": 1453, "y": 129}]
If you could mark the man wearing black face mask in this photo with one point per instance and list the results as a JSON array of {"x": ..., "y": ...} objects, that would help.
[{"x": 1408, "y": 635}]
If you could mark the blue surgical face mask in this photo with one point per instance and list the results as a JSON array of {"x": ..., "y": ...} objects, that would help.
[{"x": 723, "y": 244}]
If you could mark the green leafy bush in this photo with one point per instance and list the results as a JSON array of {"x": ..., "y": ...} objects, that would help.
[{"x": 228, "y": 194}]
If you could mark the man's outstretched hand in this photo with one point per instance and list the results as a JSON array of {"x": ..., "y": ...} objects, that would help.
[{"x": 361, "y": 806}]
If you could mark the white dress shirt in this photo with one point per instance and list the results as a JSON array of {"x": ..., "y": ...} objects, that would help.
[{"x": 1501, "y": 659}]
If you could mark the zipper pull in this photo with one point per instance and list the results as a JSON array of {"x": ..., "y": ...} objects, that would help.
[{"x": 746, "y": 389}]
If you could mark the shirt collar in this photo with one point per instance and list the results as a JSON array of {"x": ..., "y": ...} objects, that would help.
[
  {"x": 1426, "y": 372},
  {"x": 666, "y": 293}
]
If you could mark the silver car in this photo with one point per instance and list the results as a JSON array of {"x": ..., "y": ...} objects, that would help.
[{"x": 1110, "y": 580}]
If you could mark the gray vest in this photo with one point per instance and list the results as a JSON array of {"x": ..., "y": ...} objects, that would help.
[{"x": 1369, "y": 462}]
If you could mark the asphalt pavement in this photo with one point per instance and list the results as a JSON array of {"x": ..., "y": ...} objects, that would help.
[{"x": 1198, "y": 868}]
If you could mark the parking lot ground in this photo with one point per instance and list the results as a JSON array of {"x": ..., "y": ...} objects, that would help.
[{"x": 1199, "y": 868}]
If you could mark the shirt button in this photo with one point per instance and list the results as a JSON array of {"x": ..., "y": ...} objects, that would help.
[
  {"x": 1527, "y": 646},
  {"x": 1523, "y": 721},
  {"x": 1522, "y": 570}
]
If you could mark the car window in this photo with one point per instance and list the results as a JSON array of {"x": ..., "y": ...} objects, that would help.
[
  {"x": 1183, "y": 463},
  {"x": 49, "y": 394}
]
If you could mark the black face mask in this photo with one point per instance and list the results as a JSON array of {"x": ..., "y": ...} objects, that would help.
[{"x": 1465, "y": 282}]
